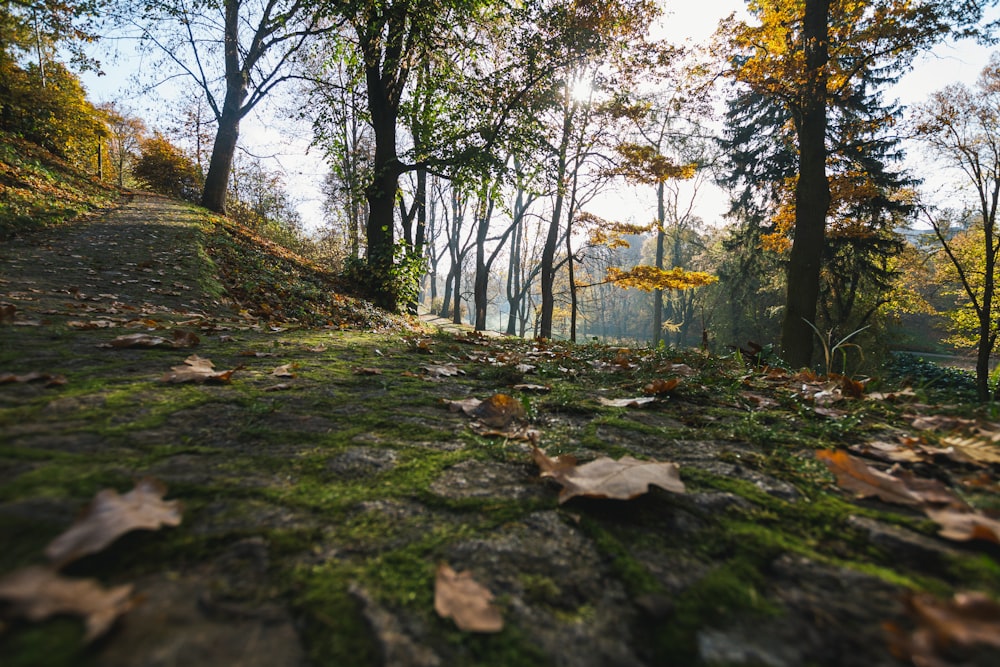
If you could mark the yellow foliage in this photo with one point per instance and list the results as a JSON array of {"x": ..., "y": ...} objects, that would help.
[{"x": 649, "y": 278}]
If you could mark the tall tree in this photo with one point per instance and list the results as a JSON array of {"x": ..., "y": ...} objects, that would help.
[
  {"x": 235, "y": 51},
  {"x": 961, "y": 126},
  {"x": 808, "y": 54}
]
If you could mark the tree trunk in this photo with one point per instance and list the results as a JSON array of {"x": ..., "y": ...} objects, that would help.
[
  {"x": 661, "y": 215},
  {"x": 381, "y": 193},
  {"x": 548, "y": 271},
  {"x": 812, "y": 192},
  {"x": 228, "y": 133}
]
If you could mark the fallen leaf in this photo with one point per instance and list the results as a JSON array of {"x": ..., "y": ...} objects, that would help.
[
  {"x": 623, "y": 479},
  {"x": 284, "y": 371},
  {"x": 888, "y": 451},
  {"x": 470, "y": 604},
  {"x": 466, "y": 405},
  {"x": 499, "y": 410},
  {"x": 437, "y": 371},
  {"x": 855, "y": 475},
  {"x": 39, "y": 592},
  {"x": 659, "y": 386},
  {"x": 626, "y": 402},
  {"x": 551, "y": 467},
  {"x": 50, "y": 379},
  {"x": 968, "y": 620},
  {"x": 317, "y": 349},
  {"x": 536, "y": 388},
  {"x": 961, "y": 526},
  {"x": 280, "y": 387},
  {"x": 197, "y": 369},
  {"x": 140, "y": 340},
  {"x": 759, "y": 401},
  {"x": 8, "y": 313},
  {"x": 980, "y": 450},
  {"x": 110, "y": 516},
  {"x": 361, "y": 370},
  {"x": 185, "y": 338}
]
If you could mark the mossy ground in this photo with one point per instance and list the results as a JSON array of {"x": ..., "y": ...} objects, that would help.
[{"x": 335, "y": 473}]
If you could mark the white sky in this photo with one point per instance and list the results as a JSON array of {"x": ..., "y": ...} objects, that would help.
[{"x": 266, "y": 134}]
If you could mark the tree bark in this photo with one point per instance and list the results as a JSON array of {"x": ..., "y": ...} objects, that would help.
[
  {"x": 548, "y": 271},
  {"x": 213, "y": 197},
  {"x": 661, "y": 215},
  {"x": 812, "y": 191}
]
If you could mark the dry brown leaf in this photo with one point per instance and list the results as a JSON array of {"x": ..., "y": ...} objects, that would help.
[
  {"x": 979, "y": 450},
  {"x": 537, "y": 388},
  {"x": 660, "y": 386},
  {"x": 854, "y": 475},
  {"x": 438, "y": 371},
  {"x": 109, "y": 516},
  {"x": 939, "y": 422},
  {"x": 552, "y": 467},
  {"x": 185, "y": 338},
  {"x": 363, "y": 370},
  {"x": 284, "y": 371},
  {"x": 499, "y": 410},
  {"x": 470, "y": 604},
  {"x": 39, "y": 592},
  {"x": 759, "y": 401},
  {"x": 891, "y": 452},
  {"x": 960, "y": 525},
  {"x": 623, "y": 479},
  {"x": 626, "y": 402},
  {"x": 137, "y": 340},
  {"x": 280, "y": 387},
  {"x": 968, "y": 620},
  {"x": 8, "y": 313},
  {"x": 196, "y": 369},
  {"x": 50, "y": 380},
  {"x": 466, "y": 405}
]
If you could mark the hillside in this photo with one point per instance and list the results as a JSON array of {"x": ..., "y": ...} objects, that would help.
[
  {"x": 317, "y": 463},
  {"x": 38, "y": 189}
]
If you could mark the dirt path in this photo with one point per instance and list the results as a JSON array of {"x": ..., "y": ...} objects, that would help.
[{"x": 326, "y": 481}]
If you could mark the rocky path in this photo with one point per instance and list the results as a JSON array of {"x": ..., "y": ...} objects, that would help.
[{"x": 325, "y": 482}]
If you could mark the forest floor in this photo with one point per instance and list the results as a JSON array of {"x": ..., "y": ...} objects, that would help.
[{"x": 325, "y": 481}]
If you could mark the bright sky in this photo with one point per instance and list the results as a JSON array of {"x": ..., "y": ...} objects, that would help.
[{"x": 265, "y": 134}]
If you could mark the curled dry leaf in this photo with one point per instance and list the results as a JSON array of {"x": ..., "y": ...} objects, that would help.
[
  {"x": 470, "y": 604},
  {"x": 363, "y": 370},
  {"x": 137, "y": 340},
  {"x": 110, "y": 516},
  {"x": 39, "y": 592},
  {"x": 966, "y": 621},
  {"x": 49, "y": 379},
  {"x": 438, "y": 371},
  {"x": 960, "y": 525},
  {"x": 623, "y": 479},
  {"x": 660, "y": 386},
  {"x": 626, "y": 402},
  {"x": 196, "y": 369},
  {"x": 896, "y": 486},
  {"x": 499, "y": 411},
  {"x": 284, "y": 371},
  {"x": 179, "y": 339},
  {"x": 855, "y": 475}
]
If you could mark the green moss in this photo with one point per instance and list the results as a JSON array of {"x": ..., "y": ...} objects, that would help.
[{"x": 57, "y": 642}]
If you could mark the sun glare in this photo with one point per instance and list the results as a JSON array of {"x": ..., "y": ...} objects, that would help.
[{"x": 581, "y": 89}]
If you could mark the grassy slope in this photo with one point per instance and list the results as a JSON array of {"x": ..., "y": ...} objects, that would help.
[{"x": 39, "y": 189}]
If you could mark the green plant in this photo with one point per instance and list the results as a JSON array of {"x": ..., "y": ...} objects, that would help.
[{"x": 830, "y": 348}]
